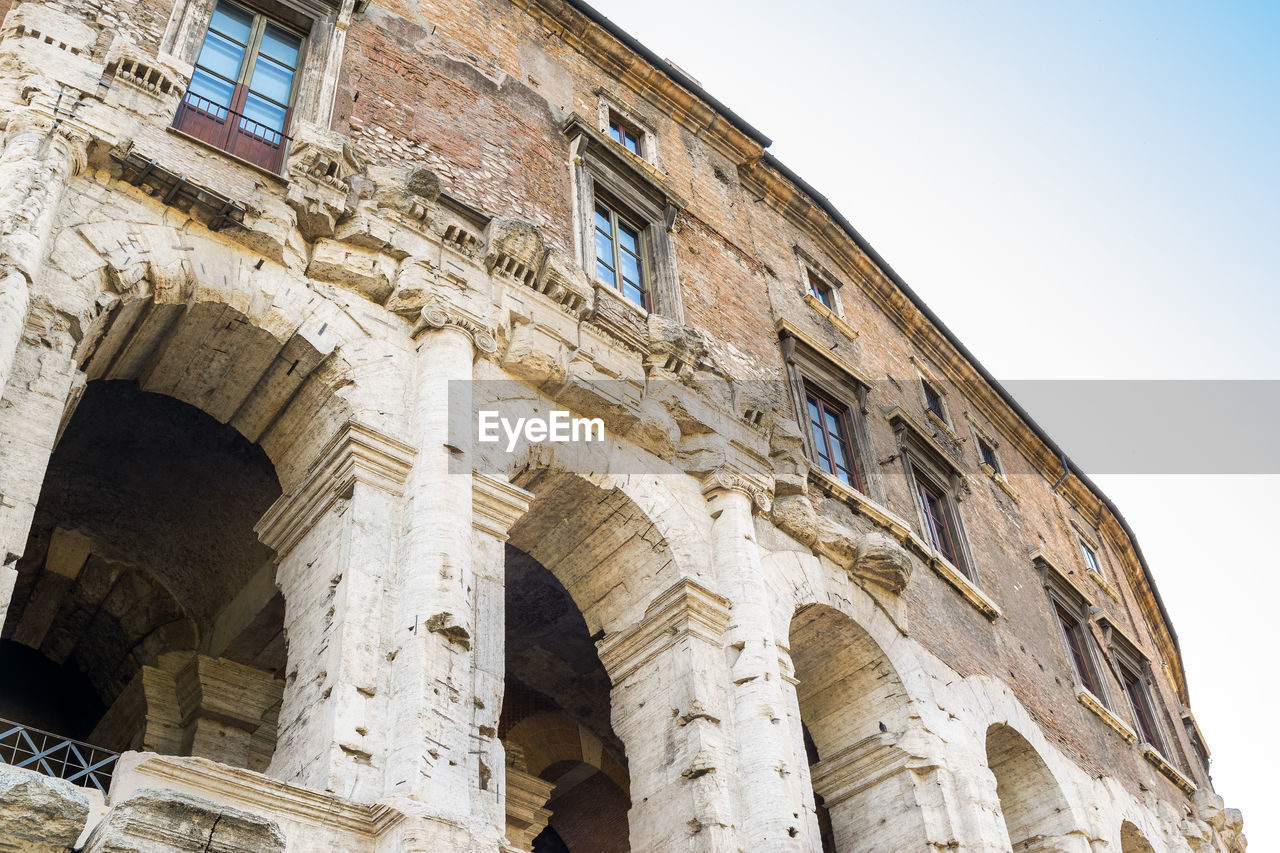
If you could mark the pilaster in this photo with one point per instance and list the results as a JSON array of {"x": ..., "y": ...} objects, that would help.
[
  {"x": 670, "y": 708},
  {"x": 334, "y": 540}
]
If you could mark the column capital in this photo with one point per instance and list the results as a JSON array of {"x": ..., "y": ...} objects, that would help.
[
  {"x": 63, "y": 134},
  {"x": 357, "y": 453},
  {"x": 496, "y": 504},
  {"x": 725, "y": 479},
  {"x": 438, "y": 314},
  {"x": 686, "y": 609}
]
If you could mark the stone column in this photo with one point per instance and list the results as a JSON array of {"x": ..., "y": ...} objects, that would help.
[
  {"x": 670, "y": 708},
  {"x": 38, "y": 161},
  {"x": 334, "y": 538},
  {"x": 771, "y": 804},
  {"x": 430, "y": 771},
  {"x": 496, "y": 505}
]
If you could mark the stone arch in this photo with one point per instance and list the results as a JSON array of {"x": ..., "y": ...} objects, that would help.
[
  {"x": 253, "y": 345},
  {"x": 1034, "y": 809},
  {"x": 1132, "y": 839},
  {"x": 143, "y": 572},
  {"x": 855, "y": 713}
]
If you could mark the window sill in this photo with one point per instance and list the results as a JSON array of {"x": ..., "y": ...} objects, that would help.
[
  {"x": 1094, "y": 704},
  {"x": 864, "y": 505},
  {"x": 832, "y": 317},
  {"x": 603, "y": 286},
  {"x": 1105, "y": 585},
  {"x": 942, "y": 424},
  {"x": 275, "y": 176},
  {"x": 966, "y": 587},
  {"x": 1162, "y": 764},
  {"x": 1000, "y": 480}
]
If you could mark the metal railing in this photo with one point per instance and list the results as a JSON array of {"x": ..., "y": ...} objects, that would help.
[
  {"x": 53, "y": 755},
  {"x": 232, "y": 131}
]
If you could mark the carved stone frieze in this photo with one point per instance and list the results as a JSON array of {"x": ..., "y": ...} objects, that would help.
[
  {"x": 320, "y": 167},
  {"x": 439, "y": 315}
]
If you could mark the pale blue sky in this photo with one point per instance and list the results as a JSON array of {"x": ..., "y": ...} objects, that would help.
[{"x": 1080, "y": 190}]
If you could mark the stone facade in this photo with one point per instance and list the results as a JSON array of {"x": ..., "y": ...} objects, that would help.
[{"x": 246, "y": 544}]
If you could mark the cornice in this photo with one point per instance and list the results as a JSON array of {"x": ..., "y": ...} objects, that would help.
[
  {"x": 686, "y": 609},
  {"x": 357, "y": 453},
  {"x": 496, "y": 504}
]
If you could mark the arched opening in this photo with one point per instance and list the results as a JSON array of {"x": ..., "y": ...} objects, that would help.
[
  {"x": 852, "y": 708},
  {"x": 145, "y": 614},
  {"x": 1133, "y": 841},
  {"x": 567, "y": 784},
  {"x": 1035, "y": 812}
]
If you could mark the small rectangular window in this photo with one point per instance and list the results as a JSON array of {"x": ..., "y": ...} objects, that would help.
[
  {"x": 620, "y": 254},
  {"x": 829, "y": 422},
  {"x": 821, "y": 290},
  {"x": 933, "y": 400},
  {"x": 1140, "y": 704},
  {"x": 1072, "y": 631},
  {"x": 624, "y": 134},
  {"x": 1090, "y": 558},
  {"x": 242, "y": 88},
  {"x": 933, "y": 501},
  {"x": 988, "y": 455}
]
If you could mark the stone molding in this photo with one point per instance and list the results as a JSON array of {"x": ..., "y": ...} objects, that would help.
[
  {"x": 1155, "y": 757},
  {"x": 258, "y": 793},
  {"x": 724, "y": 479},
  {"x": 1094, "y": 704},
  {"x": 685, "y": 609},
  {"x": 358, "y": 453},
  {"x": 527, "y": 814},
  {"x": 496, "y": 504},
  {"x": 440, "y": 315},
  {"x": 856, "y": 768}
]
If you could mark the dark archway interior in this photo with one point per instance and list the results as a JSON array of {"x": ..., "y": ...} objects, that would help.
[
  {"x": 142, "y": 536},
  {"x": 557, "y": 697}
]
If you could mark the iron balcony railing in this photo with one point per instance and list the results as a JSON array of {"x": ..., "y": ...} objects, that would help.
[
  {"x": 233, "y": 132},
  {"x": 53, "y": 755}
]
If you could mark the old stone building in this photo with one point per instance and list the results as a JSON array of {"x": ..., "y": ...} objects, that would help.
[{"x": 822, "y": 585}]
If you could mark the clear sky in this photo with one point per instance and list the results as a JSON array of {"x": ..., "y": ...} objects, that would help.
[{"x": 1080, "y": 190}]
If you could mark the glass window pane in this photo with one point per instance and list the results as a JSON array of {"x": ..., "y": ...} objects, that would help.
[
  {"x": 632, "y": 144},
  {"x": 833, "y": 424},
  {"x": 264, "y": 113},
  {"x": 605, "y": 274},
  {"x": 629, "y": 239},
  {"x": 232, "y": 21},
  {"x": 814, "y": 416},
  {"x": 634, "y": 293},
  {"x": 602, "y": 220},
  {"x": 280, "y": 46},
  {"x": 221, "y": 56},
  {"x": 209, "y": 88},
  {"x": 604, "y": 247},
  {"x": 272, "y": 80},
  {"x": 630, "y": 266},
  {"x": 615, "y": 132}
]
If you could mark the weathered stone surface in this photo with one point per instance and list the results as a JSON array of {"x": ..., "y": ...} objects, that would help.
[
  {"x": 881, "y": 560},
  {"x": 39, "y": 814},
  {"x": 152, "y": 820}
]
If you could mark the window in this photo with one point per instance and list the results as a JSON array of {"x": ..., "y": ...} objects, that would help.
[
  {"x": 937, "y": 518},
  {"x": 1135, "y": 689},
  {"x": 620, "y": 254},
  {"x": 987, "y": 454},
  {"x": 242, "y": 89},
  {"x": 1075, "y": 636},
  {"x": 821, "y": 290},
  {"x": 829, "y": 423},
  {"x": 624, "y": 134},
  {"x": 1090, "y": 557},
  {"x": 932, "y": 399},
  {"x": 626, "y": 217}
]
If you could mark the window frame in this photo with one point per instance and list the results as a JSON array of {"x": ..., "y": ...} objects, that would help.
[
  {"x": 931, "y": 394},
  {"x": 808, "y": 365},
  {"x": 1071, "y": 612},
  {"x": 920, "y": 459},
  {"x": 203, "y": 123},
  {"x": 600, "y": 169},
  {"x": 626, "y": 129},
  {"x": 822, "y": 290},
  {"x": 830, "y": 406},
  {"x": 618, "y": 218},
  {"x": 987, "y": 455},
  {"x": 1092, "y": 562}
]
